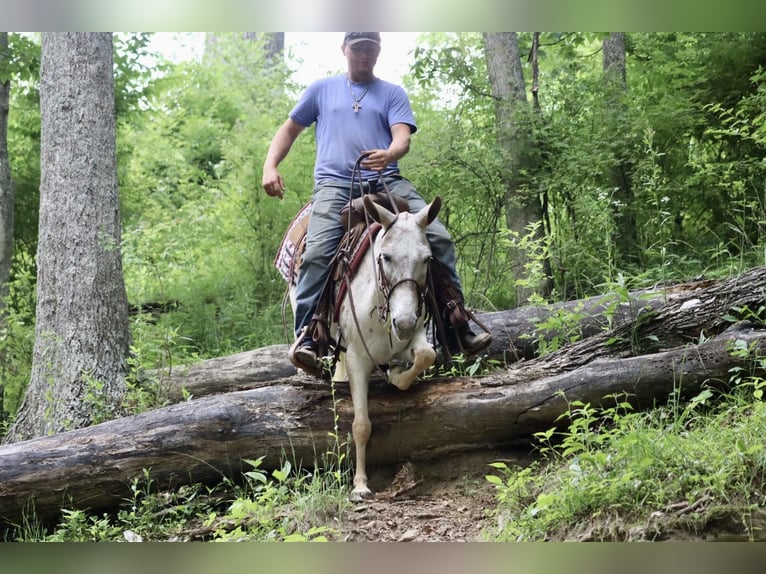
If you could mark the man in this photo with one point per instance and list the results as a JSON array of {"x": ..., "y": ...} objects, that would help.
[{"x": 355, "y": 114}]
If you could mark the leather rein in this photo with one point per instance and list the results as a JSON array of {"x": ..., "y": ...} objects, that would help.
[{"x": 381, "y": 280}]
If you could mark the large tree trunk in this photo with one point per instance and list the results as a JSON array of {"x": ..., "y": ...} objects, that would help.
[
  {"x": 512, "y": 112},
  {"x": 82, "y": 335},
  {"x": 293, "y": 417},
  {"x": 6, "y": 207},
  {"x": 517, "y": 334},
  {"x": 6, "y": 187}
]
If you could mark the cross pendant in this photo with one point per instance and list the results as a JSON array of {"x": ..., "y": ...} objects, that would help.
[{"x": 357, "y": 106}]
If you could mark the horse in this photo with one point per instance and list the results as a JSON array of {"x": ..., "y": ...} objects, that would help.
[
  {"x": 381, "y": 320},
  {"x": 385, "y": 324}
]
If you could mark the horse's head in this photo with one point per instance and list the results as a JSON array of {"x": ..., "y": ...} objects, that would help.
[{"x": 402, "y": 255}]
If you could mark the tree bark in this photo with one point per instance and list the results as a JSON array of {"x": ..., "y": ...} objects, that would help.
[
  {"x": 82, "y": 335},
  {"x": 6, "y": 207},
  {"x": 625, "y": 236},
  {"x": 293, "y": 416},
  {"x": 613, "y": 61}
]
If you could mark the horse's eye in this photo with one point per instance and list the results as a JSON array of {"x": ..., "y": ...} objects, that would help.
[{"x": 386, "y": 258}]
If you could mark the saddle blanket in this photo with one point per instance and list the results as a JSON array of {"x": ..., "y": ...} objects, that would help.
[
  {"x": 290, "y": 252},
  {"x": 288, "y": 255}
]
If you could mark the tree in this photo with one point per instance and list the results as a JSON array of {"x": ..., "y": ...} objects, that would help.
[
  {"x": 6, "y": 199},
  {"x": 82, "y": 337},
  {"x": 273, "y": 43},
  {"x": 6, "y": 181},
  {"x": 523, "y": 206},
  {"x": 615, "y": 75}
]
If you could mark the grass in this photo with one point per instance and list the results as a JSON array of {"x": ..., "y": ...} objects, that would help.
[{"x": 283, "y": 505}]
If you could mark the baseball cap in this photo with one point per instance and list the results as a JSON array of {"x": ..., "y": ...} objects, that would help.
[{"x": 352, "y": 38}]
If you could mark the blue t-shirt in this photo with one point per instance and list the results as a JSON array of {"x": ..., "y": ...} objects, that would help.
[{"x": 341, "y": 133}]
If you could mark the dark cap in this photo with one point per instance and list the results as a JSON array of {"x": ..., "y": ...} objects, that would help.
[{"x": 352, "y": 38}]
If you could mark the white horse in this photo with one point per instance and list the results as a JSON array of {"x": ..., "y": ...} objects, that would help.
[{"x": 381, "y": 319}]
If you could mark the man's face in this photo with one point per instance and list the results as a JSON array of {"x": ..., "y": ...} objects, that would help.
[{"x": 362, "y": 57}]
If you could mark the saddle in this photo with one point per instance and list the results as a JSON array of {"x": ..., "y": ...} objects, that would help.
[
  {"x": 444, "y": 303},
  {"x": 352, "y": 216}
]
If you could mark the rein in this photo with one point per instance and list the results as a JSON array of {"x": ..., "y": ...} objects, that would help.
[{"x": 382, "y": 282}]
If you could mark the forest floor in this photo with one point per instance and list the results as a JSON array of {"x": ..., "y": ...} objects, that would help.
[{"x": 444, "y": 500}]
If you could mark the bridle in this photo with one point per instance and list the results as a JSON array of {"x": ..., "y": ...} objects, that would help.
[{"x": 386, "y": 288}]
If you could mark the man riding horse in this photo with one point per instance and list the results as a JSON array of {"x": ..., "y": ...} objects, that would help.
[{"x": 357, "y": 114}]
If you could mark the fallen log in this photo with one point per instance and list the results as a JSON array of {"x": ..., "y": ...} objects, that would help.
[
  {"x": 203, "y": 440},
  {"x": 518, "y": 332}
]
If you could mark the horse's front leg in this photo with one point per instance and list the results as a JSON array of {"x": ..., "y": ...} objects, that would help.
[
  {"x": 361, "y": 429},
  {"x": 422, "y": 356}
]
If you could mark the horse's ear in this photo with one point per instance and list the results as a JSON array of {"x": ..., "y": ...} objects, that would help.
[
  {"x": 378, "y": 212},
  {"x": 429, "y": 212},
  {"x": 434, "y": 208}
]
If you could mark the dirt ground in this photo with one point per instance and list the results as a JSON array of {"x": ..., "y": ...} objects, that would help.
[
  {"x": 450, "y": 500},
  {"x": 446, "y": 500}
]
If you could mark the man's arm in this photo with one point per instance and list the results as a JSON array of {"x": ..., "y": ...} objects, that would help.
[
  {"x": 283, "y": 140},
  {"x": 400, "y": 145}
]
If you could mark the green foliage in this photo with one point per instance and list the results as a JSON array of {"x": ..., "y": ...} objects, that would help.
[
  {"x": 21, "y": 61},
  {"x": 133, "y": 72},
  {"x": 24, "y": 136},
  {"x": 454, "y": 155},
  {"x": 687, "y": 463},
  {"x": 198, "y": 230},
  {"x": 284, "y": 505},
  {"x": 558, "y": 329},
  {"x": 462, "y": 366},
  {"x": 148, "y": 515},
  {"x": 17, "y": 334},
  {"x": 258, "y": 517}
]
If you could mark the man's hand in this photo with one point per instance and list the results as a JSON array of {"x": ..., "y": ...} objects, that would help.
[
  {"x": 272, "y": 182},
  {"x": 377, "y": 159}
]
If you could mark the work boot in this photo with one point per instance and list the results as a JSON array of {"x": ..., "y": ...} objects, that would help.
[
  {"x": 303, "y": 354},
  {"x": 470, "y": 343},
  {"x": 473, "y": 343}
]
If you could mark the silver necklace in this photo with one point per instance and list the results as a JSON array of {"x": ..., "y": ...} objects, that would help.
[{"x": 356, "y": 106}]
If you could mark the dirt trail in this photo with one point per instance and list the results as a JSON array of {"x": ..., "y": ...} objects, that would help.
[{"x": 445, "y": 500}]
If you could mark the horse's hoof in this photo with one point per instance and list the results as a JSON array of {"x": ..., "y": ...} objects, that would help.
[
  {"x": 360, "y": 495},
  {"x": 401, "y": 385}
]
